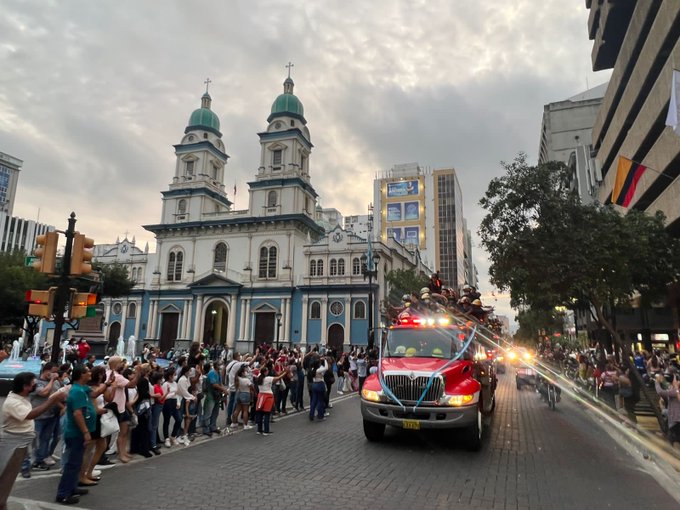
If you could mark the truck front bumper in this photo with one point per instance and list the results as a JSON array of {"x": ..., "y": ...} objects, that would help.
[{"x": 439, "y": 417}]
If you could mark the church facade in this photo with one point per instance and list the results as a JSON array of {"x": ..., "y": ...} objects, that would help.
[{"x": 269, "y": 273}]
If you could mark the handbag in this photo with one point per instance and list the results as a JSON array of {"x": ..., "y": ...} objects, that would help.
[
  {"x": 143, "y": 407},
  {"x": 109, "y": 424}
]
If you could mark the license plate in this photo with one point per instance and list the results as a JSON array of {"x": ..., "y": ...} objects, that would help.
[{"x": 411, "y": 424}]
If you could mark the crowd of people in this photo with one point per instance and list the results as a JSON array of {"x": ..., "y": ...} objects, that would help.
[{"x": 82, "y": 413}]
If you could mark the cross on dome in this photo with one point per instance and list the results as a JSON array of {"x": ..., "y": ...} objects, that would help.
[
  {"x": 207, "y": 82},
  {"x": 290, "y": 64}
]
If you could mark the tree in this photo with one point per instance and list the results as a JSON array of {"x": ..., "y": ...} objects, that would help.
[
  {"x": 115, "y": 280},
  {"x": 533, "y": 320},
  {"x": 404, "y": 281},
  {"x": 15, "y": 280},
  {"x": 549, "y": 249}
]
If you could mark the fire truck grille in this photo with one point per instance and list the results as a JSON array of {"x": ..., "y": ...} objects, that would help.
[{"x": 407, "y": 389}]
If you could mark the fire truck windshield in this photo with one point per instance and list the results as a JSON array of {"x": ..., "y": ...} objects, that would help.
[{"x": 423, "y": 343}]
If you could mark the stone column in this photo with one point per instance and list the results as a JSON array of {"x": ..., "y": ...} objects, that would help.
[
  {"x": 303, "y": 328},
  {"x": 198, "y": 322},
  {"x": 231, "y": 323},
  {"x": 138, "y": 317},
  {"x": 247, "y": 334},
  {"x": 324, "y": 320},
  {"x": 348, "y": 319},
  {"x": 151, "y": 319}
]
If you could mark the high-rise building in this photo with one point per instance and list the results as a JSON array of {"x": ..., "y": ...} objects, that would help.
[
  {"x": 423, "y": 209},
  {"x": 9, "y": 176},
  {"x": 566, "y": 133},
  {"x": 18, "y": 234},
  {"x": 359, "y": 224}
]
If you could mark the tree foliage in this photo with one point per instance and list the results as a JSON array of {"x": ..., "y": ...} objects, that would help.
[
  {"x": 533, "y": 320},
  {"x": 15, "y": 280},
  {"x": 404, "y": 281},
  {"x": 116, "y": 280}
]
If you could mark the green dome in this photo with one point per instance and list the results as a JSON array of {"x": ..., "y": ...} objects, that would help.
[
  {"x": 287, "y": 104},
  {"x": 204, "y": 118}
]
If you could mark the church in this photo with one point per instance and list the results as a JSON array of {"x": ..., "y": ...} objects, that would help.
[{"x": 270, "y": 273}]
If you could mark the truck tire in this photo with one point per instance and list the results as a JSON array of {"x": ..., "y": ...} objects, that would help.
[
  {"x": 473, "y": 434},
  {"x": 374, "y": 432}
]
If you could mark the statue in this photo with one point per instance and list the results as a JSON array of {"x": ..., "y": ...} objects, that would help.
[
  {"x": 16, "y": 350},
  {"x": 120, "y": 347},
  {"x": 132, "y": 341}
]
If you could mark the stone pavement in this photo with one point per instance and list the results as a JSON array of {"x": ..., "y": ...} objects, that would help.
[{"x": 534, "y": 459}]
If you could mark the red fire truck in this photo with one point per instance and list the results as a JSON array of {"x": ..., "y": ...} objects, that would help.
[{"x": 432, "y": 373}]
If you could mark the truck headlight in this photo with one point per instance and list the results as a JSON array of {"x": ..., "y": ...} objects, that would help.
[
  {"x": 460, "y": 400},
  {"x": 373, "y": 396}
]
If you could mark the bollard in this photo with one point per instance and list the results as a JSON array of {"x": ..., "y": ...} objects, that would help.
[{"x": 9, "y": 474}]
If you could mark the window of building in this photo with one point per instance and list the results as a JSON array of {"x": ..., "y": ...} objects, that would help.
[
  {"x": 319, "y": 267},
  {"x": 182, "y": 207},
  {"x": 134, "y": 274},
  {"x": 337, "y": 308},
  {"x": 333, "y": 267},
  {"x": 312, "y": 268},
  {"x": 132, "y": 310},
  {"x": 175, "y": 261},
  {"x": 341, "y": 267},
  {"x": 140, "y": 276},
  {"x": 189, "y": 168},
  {"x": 315, "y": 310},
  {"x": 277, "y": 158},
  {"x": 267, "y": 265},
  {"x": 220, "y": 258},
  {"x": 356, "y": 266},
  {"x": 117, "y": 308},
  {"x": 359, "y": 310},
  {"x": 271, "y": 199}
]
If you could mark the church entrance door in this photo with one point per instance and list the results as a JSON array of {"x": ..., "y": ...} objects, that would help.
[
  {"x": 215, "y": 324},
  {"x": 114, "y": 333},
  {"x": 168, "y": 330},
  {"x": 336, "y": 337},
  {"x": 264, "y": 328}
]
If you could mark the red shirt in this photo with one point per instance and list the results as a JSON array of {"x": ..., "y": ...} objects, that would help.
[{"x": 83, "y": 349}]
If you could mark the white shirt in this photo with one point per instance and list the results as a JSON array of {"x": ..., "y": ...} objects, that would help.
[
  {"x": 318, "y": 377},
  {"x": 183, "y": 388},
  {"x": 14, "y": 412},
  {"x": 266, "y": 386},
  {"x": 170, "y": 389},
  {"x": 352, "y": 363},
  {"x": 243, "y": 384},
  {"x": 232, "y": 369}
]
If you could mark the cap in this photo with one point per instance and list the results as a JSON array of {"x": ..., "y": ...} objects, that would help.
[{"x": 477, "y": 302}]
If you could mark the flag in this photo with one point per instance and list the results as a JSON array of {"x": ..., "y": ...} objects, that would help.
[
  {"x": 673, "y": 117},
  {"x": 628, "y": 174},
  {"x": 234, "y": 189}
]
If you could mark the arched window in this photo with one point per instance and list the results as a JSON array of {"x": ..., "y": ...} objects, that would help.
[
  {"x": 341, "y": 267},
  {"x": 312, "y": 268},
  {"x": 134, "y": 274},
  {"x": 182, "y": 207},
  {"x": 356, "y": 266},
  {"x": 220, "y": 258},
  {"x": 319, "y": 267},
  {"x": 359, "y": 310},
  {"x": 271, "y": 198},
  {"x": 333, "y": 267},
  {"x": 315, "y": 310},
  {"x": 267, "y": 265},
  {"x": 189, "y": 168},
  {"x": 140, "y": 276},
  {"x": 175, "y": 261},
  {"x": 132, "y": 310}
]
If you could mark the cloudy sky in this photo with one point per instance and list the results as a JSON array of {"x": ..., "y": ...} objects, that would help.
[{"x": 94, "y": 94}]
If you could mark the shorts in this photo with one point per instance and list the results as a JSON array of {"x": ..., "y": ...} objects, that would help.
[
  {"x": 97, "y": 433},
  {"x": 243, "y": 397},
  {"x": 124, "y": 416},
  {"x": 191, "y": 413}
]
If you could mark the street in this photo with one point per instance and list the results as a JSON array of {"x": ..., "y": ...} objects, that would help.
[{"x": 534, "y": 459}]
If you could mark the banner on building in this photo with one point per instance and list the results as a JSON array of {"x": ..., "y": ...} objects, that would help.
[
  {"x": 394, "y": 212},
  {"x": 412, "y": 235},
  {"x": 628, "y": 174},
  {"x": 411, "y": 210},
  {"x": 402, "y": 188},
  {"x": 673, "y": 117},
  {"x": 395, "y": 233}
]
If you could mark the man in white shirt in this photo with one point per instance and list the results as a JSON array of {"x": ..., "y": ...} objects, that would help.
[
  {"x": 18, "y": 415},
  {"x": 232, "y": 369}
]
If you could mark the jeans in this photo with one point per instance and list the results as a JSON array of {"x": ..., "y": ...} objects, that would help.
[
  {"x": 260, "y": 417},
  {"x": 75, "y": 448},
  {"x": 56, "y": 434},
  {"x": 156, "y": 410},
  {"x": 293, "y": 390},
  {"x": 300, "y": 392},
  {"x": 44, "y": 429},
  {"x": 211, "y": 411},
  {"x": 283, "y": 397},
  {"x": 341, "y": 383},
  {"x": 170, "y": 410},
  {"x": 230, "y": 406},
  {"x": 318, "y": 403}
]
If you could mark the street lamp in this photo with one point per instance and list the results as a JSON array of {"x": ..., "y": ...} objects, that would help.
[
  {"x": 278, "y": 326},
  {"x": 369, "y": 268}
]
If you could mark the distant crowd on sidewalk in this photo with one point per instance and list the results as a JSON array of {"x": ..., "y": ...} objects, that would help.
[{"x": 82, "y": 413}]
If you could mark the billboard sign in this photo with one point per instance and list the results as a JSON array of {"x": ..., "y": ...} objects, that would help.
[
  {"x": 412, "y": 235},
  {"x": 411, "y": 210},
  {"x": 394, "y": 212},
  {"x": 402, "y": 188}
]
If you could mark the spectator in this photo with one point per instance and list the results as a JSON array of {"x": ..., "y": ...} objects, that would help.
[
  {"x": 157, "y": 401},
  {"x": 98, "y": 393},
  {"x": 243, "y": 387},
  {"x": 120, "y": 386},
  {"x": 46, "y": 385},
  {"x": 230, "y": 375},
  {"x": 18, "y": 415},
  {"x": 265, "y": 399},
  {"x": 187, "y": 403},
  {"x": 140, "y": 439},
  {"x": 362, "y": 370},
  {"x": 171, "y": 408},
  {"x": 81, "y": 420},
  {"x": 672, "y": 396},
  {"x": 315, "y": 376},
  {"x": 212, "y": 399}
]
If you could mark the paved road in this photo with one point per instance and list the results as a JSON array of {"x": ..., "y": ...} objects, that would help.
[{"x": 534, "y": 459}]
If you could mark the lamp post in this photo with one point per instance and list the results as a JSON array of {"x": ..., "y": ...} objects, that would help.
[
  {"x": 369, "y": 269},
  {"x": 278, "y": 326}
]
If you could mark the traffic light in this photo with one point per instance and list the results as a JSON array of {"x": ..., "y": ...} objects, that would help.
[
  {"x": 82, "y": 305},
  {"x": 46, "y": 252},
  {"x": 81, "y": 255},
  {"x": 41, "y": 302}
]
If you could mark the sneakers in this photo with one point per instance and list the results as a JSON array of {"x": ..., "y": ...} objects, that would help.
[
  {"x": 330, "y": 406},
  {"x": 258, "y": 433},
  {"x": 96, "y": 472},
  {"x": 167, "y": 443},
  {"x": 341, "y": 392},
  {"x": 26, "y": 474},
  {"x": 69, "y": 500},
  {"x": 247, "y": 427},
  {"x": 183, "y": 440},
  {"x": 40, "y": 466},
  {"x": 50, "y": 461},
  {"x": 326, "y": 414},
  {"x": 267, "y": 433}
]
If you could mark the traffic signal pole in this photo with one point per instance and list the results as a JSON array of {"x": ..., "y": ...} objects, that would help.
[{"x": 63, "y": 289}]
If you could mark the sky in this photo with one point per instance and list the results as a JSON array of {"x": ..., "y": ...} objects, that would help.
[{"x": 94, "y": 94}]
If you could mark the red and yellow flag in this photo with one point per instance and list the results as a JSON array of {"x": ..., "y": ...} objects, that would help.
[{"x": 628, "y": 174}]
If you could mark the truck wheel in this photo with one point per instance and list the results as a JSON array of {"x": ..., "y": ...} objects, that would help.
[
  {"x": 374, "y": 432},
  {"x": 473, "y": 434}
]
